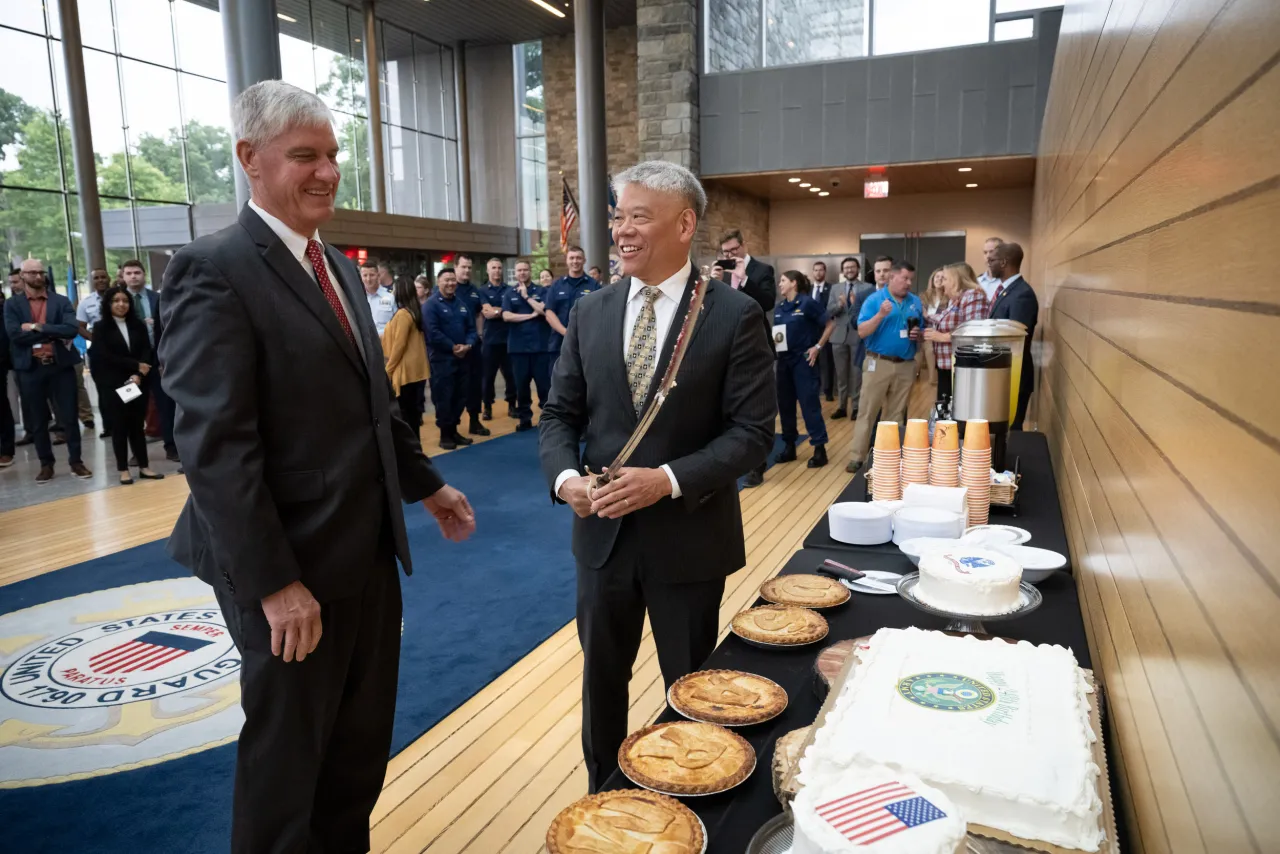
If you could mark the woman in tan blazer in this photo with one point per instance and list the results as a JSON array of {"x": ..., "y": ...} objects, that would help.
[{"x": 406, "y": 353}]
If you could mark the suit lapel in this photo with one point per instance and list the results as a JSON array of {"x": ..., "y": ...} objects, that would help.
[
  {"x": 669, "y": 346},
  {"x": 278, "y": 257},
  {"x": 354, "y": 292}
]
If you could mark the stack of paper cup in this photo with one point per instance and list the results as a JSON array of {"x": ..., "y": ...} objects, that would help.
[
  {"x": 886, "y": 479},
  {"x": 944, "y": 463},
  {"x": 915, "y": 452},
  {"x": 975, "y": 469}
]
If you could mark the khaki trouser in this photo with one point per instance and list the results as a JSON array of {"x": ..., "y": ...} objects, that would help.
[
  {"x": 885, "y": 389},
  {"x": 82, "y": 396}
]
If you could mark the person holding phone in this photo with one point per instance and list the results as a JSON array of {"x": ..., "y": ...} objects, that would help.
[{"x": 122, "y": 354}]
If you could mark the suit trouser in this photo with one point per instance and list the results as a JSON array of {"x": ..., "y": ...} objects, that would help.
[
  {"x": 798, "y": 382},
  {"x": 313, "y": 750},
  {"x": 127, "y": 422},
  {"x": 495, "y": 359},
  {"x": 103, "y": 390},
  {"x": 886, "y": 388},
  {"x": 8, "y": 435},
  {"x": 164, "y": 410},
  {"x": 413, "y": 402},
  {"x": 475, "y": 380},
  {"x": 448, "y": 390},
  {"x": 842, "y": 359},
  {"x": 57, "y": 383},
  {"x": 526, "y": 367},
  {"x": 827, "y": 368},
  {"x": 611, "y": 607},
  {"x": 1026, "y": 386},
  {"x": 858, "y": 354}
]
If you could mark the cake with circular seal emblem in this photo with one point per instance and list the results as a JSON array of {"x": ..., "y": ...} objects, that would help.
[{"x": 978, "y": 582}]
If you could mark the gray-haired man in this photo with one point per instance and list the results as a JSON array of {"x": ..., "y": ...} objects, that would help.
[
  {"x": 666, "y": 531},
  {"x": 297, "y": 463}
]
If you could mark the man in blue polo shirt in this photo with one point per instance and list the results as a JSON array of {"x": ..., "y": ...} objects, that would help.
[
  {"x": 561, "y": 297},
  {"x": 527, "y": 336},
  {"x": 494, "y": 341},
  {"x": 889, "y": 324}
]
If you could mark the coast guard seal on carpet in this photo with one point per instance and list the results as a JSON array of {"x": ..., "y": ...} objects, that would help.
[{"x": 113, "y": 680}]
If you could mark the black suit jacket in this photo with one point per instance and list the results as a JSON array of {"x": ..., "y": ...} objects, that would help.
[
  {"x": 1019, "y": 302},
  {"x": 716, "y": 425},
  {"x": 114, "y": 361},
  {"x": 762, "y": 286},
  {"x": 295, "y": 457}
]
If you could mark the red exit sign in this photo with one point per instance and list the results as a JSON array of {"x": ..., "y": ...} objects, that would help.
[{"x": 875, "y": 190}]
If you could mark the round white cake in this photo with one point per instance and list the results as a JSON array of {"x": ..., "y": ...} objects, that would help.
[
  {"x": 970, "y": 581},
  {"x": 874, "y": 810}
]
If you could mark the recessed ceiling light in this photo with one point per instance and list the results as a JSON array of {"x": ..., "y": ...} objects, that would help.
[
  {"x": 971, "y": 185},
  {"x": 357, "y": 41},
  {"x": 814, "y": 190},
  {"x": 805, "y": 185},
  {"x": 552, "y": 9},
  {"x": 793, "y": 180},
  {"x": 282, "y": 16},
  {"x": 965, "y": 169},
  {"x": 823, "y": 193}
]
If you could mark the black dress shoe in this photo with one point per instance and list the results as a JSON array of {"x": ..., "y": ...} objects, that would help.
[
  {"x": 172, "y": 456},
  {"x": 523, "y": 426},
  {"x": 460, "y": 440},
  {"x": 788, "y": 454},
  {"x": 819, "y": 458},
  {"x": 26, "y": 440},
  {"x": 840, "y": 413},
  {"x": 105, "y": 434},
  {"x": 831, "y": 398},
  {"x": 88, "y": 424},
  {"x": 488, "y": 412},
  {"x": 478, "y": 429},
  {"x": 511, "y": 409},
  {"x": 753, "y": 480},
  {"x": 447, "y": 443}
]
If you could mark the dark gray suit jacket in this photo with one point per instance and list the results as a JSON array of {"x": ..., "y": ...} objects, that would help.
[
  {"x": 716, "y": 425},
  {"x": 1019, "y": 302},
  {"x": 296, "y": 458}
]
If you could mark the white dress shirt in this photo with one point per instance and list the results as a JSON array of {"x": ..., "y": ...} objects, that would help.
[
  {"x": 664, "y": 309},
  {"x": 988, "y": 283},
  {"x": 123, "y": 326},
  {"x": 297, "y": 246}
]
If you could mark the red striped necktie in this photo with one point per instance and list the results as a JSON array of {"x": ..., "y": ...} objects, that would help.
[{"x": 316, "y": 256}]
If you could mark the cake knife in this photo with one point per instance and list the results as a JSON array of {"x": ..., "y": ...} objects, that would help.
[{"x": 848, "y": 573}]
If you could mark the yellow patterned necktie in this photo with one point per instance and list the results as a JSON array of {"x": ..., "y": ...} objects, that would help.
[{"x": 642, "y": 355}]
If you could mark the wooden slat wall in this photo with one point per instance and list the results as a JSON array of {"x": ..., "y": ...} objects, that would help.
[{"x": 1157, "y": 207}]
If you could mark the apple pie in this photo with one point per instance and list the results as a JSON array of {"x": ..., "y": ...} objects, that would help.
[
  {"x": 624, "y": 822},
  {"x": 807, "y": 591},
  {"x": 727, "y": 697},
  {"x": 782, "y": 625},
  {"x": 686, "y": 758}
]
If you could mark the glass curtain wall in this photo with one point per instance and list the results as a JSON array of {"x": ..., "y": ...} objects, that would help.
[
  {"x": 159, "y": 117},
  {"x": 531, "y": 143}
]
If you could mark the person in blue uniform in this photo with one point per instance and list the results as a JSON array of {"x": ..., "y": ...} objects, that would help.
[
  {"x": 527, "y": 336},
  {"x": 563, "y": 296},
  {"x": 494, "y": 342},
  {"x": 803, "y": 320},
  {"x": 451, "y": 334},
  {"x": 470, "y": 294}
]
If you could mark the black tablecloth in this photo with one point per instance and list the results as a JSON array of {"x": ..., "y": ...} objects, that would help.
[
  {"x": 733, "y": 817},
  {"x": 1038, "y": 512}
]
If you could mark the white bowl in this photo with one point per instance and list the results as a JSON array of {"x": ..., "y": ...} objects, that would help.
[
  {"x": 917, "y": 546},
  {"x": 1037, "y": 564},
  {"x": 860, "y": 524},
  {"x": 912, "y": 522}
]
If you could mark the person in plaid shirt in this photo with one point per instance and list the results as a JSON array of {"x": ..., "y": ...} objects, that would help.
[{"x": 966, "y": 301}]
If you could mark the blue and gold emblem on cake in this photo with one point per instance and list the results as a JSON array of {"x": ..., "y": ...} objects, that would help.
[{"x": 946, "y": 692}]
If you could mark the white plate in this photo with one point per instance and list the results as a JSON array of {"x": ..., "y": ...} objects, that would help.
[
  {"x": 991, "y": 535},
  {"x": 889, "y": 578}
]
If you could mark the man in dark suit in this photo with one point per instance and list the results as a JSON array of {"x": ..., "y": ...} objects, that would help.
[
  {"x": 1015, "y": 300},
  {"x": 297, "y": 463},
  {"x": 41, "y": 326},
  {"x": 757, "y": 280},
  {"x": 665, "y": 532}
]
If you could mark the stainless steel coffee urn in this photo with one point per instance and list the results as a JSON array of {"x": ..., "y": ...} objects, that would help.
[{"x": 980, "y": 383}]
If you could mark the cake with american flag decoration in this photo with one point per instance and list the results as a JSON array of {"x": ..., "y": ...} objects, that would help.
[{"x": 877, "y": 811}]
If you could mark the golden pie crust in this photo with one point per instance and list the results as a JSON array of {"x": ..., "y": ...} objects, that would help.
[
  {"x": 727, "y": 697},
  {"x": 780, "y": 624},
  {"x": 807, "y": 591},
  {"x": 686, "y": 758},
  {"x": 623, "y": 822}
]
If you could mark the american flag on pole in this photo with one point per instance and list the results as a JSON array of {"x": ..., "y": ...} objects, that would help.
[
  {"x": 145, "y": 652},
  {"x": 872, "y": 814},
  {"x": 568, "y": 214}
]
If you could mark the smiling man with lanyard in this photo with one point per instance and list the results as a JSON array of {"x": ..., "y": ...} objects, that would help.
[{"x": 885, "y": 325}]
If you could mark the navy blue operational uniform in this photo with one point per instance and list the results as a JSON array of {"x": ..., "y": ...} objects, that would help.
[
  {"x": 527, "y": 343},
  {"x": 494, "y": 350},
  {"x": 448, "y": 321},
  {"x": 799, "y": 381},
  {"x": 470, "y": 294},
  {"x": 562, "y": 296}
]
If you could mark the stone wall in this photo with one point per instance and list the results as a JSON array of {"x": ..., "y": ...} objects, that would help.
[
  {"x": 621, "y": 118},
  {"x": 734, "y": 30},
  {"x": 728, "y": 209},
  {"x": 667, "y": 66}
]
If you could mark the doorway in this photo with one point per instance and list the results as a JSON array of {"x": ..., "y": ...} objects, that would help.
[{"x": 926, "y": 250}]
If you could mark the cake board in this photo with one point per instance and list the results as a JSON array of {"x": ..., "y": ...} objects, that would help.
[{"x": 988, "y": 840}]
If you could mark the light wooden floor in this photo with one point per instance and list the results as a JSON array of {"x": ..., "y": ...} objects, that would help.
[{"x": 491, "y": 776}]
